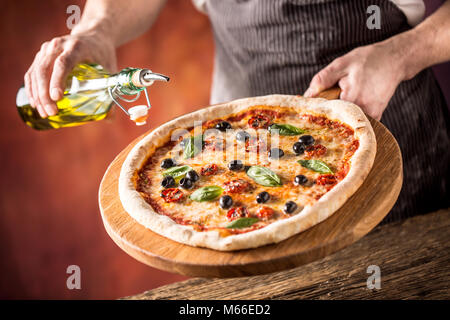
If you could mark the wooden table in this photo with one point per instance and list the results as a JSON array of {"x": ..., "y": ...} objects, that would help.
[{"x": 413, "y": 256}]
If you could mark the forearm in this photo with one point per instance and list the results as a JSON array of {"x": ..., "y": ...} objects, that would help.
[
  {"x": 425, "y": 45},
  {"x": 120, "y": 20}
]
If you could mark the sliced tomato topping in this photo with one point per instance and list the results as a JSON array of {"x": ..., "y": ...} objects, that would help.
[
  {"x": 236, "y": 186},
  {"x": 209, "y": 169},
  {"x": 265, "y": 212},
  {"x": 321, "y": 120},
  {"x": 326, "y": 179},
  {"x": 351, "y": 148},
  {"x": 172, "y": 195},
  {"x": 236, "y": 213},
  {"x": 315, "y": 151},
  {"x": 214, "y": 144},
  {"x": 343, "y": 172},
  {"x": 346, "y": 132},
  {"x": 324, "y": 121},
  {"x": 255, "y": 145},
  {"x": 259, "y": 121}
]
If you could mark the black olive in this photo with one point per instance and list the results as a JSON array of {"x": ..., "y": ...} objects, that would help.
[
  {"x": 263, "y": 197},
  {"x": 235, "y": 165},
  {"x": 298, "y": 148},
  {"x": 225, "y": 202},
  {"x": 300, "y": 180},
  {"x": 192, "y": 175},
  {"x": 306, "y": 140},
  {"x": 290, "y": 207},
  {"x": 168, "y": 182},
  {"x": 186, "y": 183},
  {"x": 242, "y": 136},
  {"x": 168, "y": 163},
  {"x": 276, "y": 153},
  {"x": 223, "y": 126}
]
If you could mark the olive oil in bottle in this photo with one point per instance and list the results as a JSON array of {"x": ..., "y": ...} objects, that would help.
[{"x": 89, "y": 95}]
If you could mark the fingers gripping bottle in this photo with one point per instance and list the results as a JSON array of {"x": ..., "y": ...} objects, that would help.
[{"x": 89, "y": 94}]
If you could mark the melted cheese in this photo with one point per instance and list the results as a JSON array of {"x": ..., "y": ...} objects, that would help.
[{"x": 209, "y": 214}]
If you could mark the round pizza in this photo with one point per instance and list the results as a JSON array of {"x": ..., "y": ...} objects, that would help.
[{"x": 249, "y": 172}]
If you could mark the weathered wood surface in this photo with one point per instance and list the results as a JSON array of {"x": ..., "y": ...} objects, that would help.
[{"x": 413, "y": 255}]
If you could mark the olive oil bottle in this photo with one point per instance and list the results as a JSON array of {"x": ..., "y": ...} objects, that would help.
[{"x": 89, "y": 95}]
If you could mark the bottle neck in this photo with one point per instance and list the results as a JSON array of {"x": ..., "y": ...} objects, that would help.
[
  {"x": 127, "y": 82},
  {"x": 131, "y": 80}
]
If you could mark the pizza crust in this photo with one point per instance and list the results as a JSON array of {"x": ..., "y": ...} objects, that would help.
[{"x": 361, "y": 163}]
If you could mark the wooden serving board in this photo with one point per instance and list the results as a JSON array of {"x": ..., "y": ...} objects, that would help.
[{"x": 360, "y": 214}]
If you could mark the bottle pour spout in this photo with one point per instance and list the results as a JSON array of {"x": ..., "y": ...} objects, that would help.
[
  {"x": 147, "y": 75},
  {"x": 144, "y": 78}
]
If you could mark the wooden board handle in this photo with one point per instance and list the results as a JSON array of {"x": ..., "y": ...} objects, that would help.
[{"x": 330, "y": 94}]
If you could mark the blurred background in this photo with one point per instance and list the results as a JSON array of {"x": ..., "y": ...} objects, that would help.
[{"x": 49, "y": 216}]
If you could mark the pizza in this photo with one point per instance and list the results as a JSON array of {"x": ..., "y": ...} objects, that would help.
[{"x": 247, "y": 173}]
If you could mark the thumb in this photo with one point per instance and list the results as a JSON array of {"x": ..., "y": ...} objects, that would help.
[{"x": 324, "y": 79}]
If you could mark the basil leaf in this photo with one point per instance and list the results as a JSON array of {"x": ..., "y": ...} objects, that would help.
[
  {"x": 316, "y": 165},
  {"x": 176, "y": 172},
  {"x": 264, "y": 176},
  {"x": 206, "y": 193},
  {"x": 285, "y": 129},
  {"x": 192, "y": 146},
  {"x": 242, "y": 223}
]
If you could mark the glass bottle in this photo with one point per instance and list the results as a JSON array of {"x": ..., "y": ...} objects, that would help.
[{"x": 89, "y": 93}]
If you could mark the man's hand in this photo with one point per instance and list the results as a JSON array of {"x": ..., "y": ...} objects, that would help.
[
  {"x": 45, "y": 79},
  {"x": 104, "y": 25},
  {"x": 367, "y": 76}
]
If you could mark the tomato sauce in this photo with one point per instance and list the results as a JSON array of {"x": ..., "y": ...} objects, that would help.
[{"x": 254, "y": 145}]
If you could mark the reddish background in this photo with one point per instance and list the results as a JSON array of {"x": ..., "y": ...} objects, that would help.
[{"x": 49, "y": 215}]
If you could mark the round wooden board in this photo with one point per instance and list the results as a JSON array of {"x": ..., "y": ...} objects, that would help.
[{"x": 360, "y": 214}]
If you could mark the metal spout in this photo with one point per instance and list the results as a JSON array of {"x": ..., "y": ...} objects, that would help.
[{"x": 147, "y": 77}]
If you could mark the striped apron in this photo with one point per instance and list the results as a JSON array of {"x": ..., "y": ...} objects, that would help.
[{"x": 276, "y": 46}]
